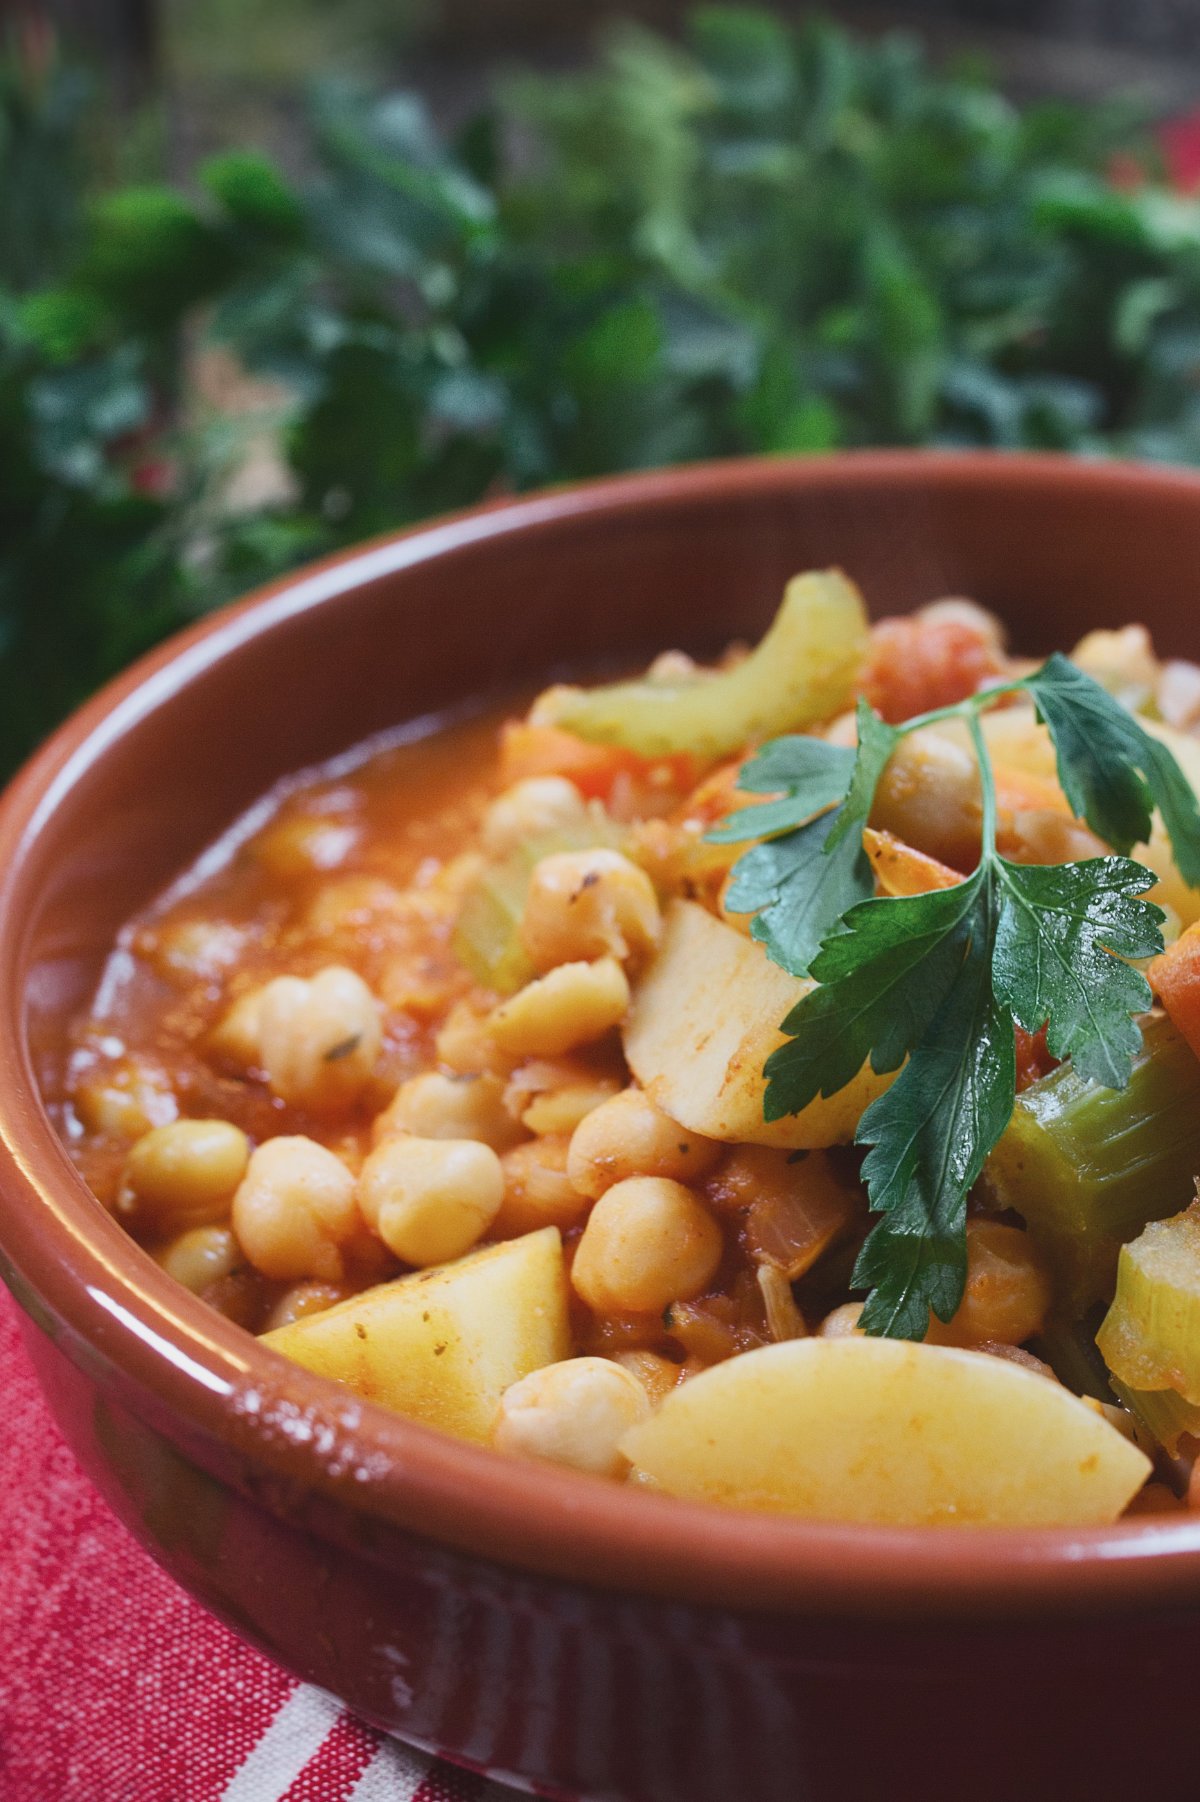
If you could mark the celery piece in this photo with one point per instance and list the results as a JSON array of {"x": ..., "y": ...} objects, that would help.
[
  {"x": 1151, "y": 1335},
  {"x": 1164, "y": 1414},
  {"x": 487, "y": 939},
  {"x": 1086, "y": 1167},
  {"x": 804, "y": 670},
  {"x": 487, "y": 935}
]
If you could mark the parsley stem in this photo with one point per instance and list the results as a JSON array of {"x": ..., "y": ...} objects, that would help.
[
  {"x": 969, "y": 710},
  {"x": 987, "y": 783}
]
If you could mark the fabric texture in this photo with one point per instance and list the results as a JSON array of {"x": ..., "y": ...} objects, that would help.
[{"x": 115, "y": 1686}]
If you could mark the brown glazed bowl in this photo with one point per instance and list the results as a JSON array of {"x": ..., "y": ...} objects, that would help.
[{"x": 582, "y": 1638}]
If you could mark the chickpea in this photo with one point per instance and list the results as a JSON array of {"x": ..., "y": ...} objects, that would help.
[
  {"x": 552, "y": 1095},
  {"x": 1008, "y": 1292},
  {"x": 629, "y": 1136},
  {"x": 126, "y": 1100},
  {"x": 302, "y": 1300},
  {"x": 237, "y": 1035},
  {"x": 453, "y": 879},
  {"x": 466, "y": 1046},
  {"x": 929, "y": 796},
  {"x": 421, "y": 982},
  {"x": 957, "y": 610},
  {"x": 294, "y": 1209},
  {"x": 430, "y": 1200},
  {"x": 1179, "y": 695},
  {"x": 192, "y": 950},
  {"x": 303, "y": 843},
  {"x": 350, "y": 902},
  {"x": 843, "y": 1322},
  {"x": 319, "y": 1038},
  {"x": 182, "y": 1175},
  {"x": 1122, "y": 661},
  {"x": 574, "y": 1413},
  {"x": 561, "y": 1110},
  {"x": 589, "y": 904},
  {"x": 677, "y": 666},
  {"x": 648, "y": 1242},
  {"x": 436, "y": 1106},
  {"x": 200, "y": 1256},
  {"x": 537, "y": 1189},
  {"x": 574, "y": 1005},
  {"x": 538, "y": 804}
]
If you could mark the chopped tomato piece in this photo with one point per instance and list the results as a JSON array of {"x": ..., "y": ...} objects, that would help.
[
  {"x": 1033, "y": 1057},
  {"x": 914, "y": 665}
]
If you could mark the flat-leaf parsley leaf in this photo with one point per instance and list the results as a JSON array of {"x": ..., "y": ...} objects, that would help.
[
  {"x": 937, "y": 982},
  {"x": 1063, "y": 934},
  {"x": 798, "y": 888}
]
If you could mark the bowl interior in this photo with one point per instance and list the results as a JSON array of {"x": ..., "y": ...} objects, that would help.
[{"x": 162, "y": 762}]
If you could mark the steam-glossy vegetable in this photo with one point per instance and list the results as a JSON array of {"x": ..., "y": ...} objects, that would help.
[
  {"x": 1151, "y": 1334},
  {"x": 443, "y": 1345},
  {"x": 1162, "y": 1412},
  {"x": 1087, "y": 1167},
  {"x": 804, "y": 670},
  {"x": 878, "y": 1430}
]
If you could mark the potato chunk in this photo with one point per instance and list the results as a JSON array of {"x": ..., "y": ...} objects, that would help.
[
  {"x": 880, "y": 1430},
  {"x": 443, "y": 1345},
  {"x": 705, "y": 1017}
]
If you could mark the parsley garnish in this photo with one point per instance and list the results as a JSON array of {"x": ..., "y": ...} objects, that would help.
[{"x": 937, "y": 982}]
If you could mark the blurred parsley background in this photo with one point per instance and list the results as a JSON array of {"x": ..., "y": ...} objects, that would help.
[{"x": 755, "y": 237}]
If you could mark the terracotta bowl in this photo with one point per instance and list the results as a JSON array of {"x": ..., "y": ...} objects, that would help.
[{"x": 579, "y": 1637}]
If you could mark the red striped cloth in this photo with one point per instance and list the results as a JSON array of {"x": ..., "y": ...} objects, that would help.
[{"x": 116, "y": 1687}]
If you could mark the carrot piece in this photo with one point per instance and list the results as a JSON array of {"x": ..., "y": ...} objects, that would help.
[
  {"x": 1175, "y": 979},
  {"x": 1018, "y": 790},
  {"x": 529, "y": 749},
  {"x": 901, "y": 870},
  {"x": 918, "y": 664}
]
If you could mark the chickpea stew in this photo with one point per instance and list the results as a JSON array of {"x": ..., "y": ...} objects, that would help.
[{"x": 521, "y": 1076}]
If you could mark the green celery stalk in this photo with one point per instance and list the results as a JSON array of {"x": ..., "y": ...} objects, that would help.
[
  {"x": 1087, "y": 1167},
  {"x": 1069, "y": 1348},
  {"x": 1164, "y": 1414},
  {"x": 1151, "y": 1335},
  {"x": 804, "y": 670},
  {"x": 487, "y": 934}
]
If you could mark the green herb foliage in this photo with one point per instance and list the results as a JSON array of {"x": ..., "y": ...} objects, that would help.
[
  {"x": 765, "y": 238},
  {"x": 936, "y": 982}
]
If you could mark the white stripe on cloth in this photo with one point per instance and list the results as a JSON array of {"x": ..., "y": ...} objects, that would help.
[
  {"x": 395, "y": 1774},
  {"x": 295, "y": 1735}
]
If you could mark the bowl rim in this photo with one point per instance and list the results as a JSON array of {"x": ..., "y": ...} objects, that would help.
[{"x": 100, "y": 1297}]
